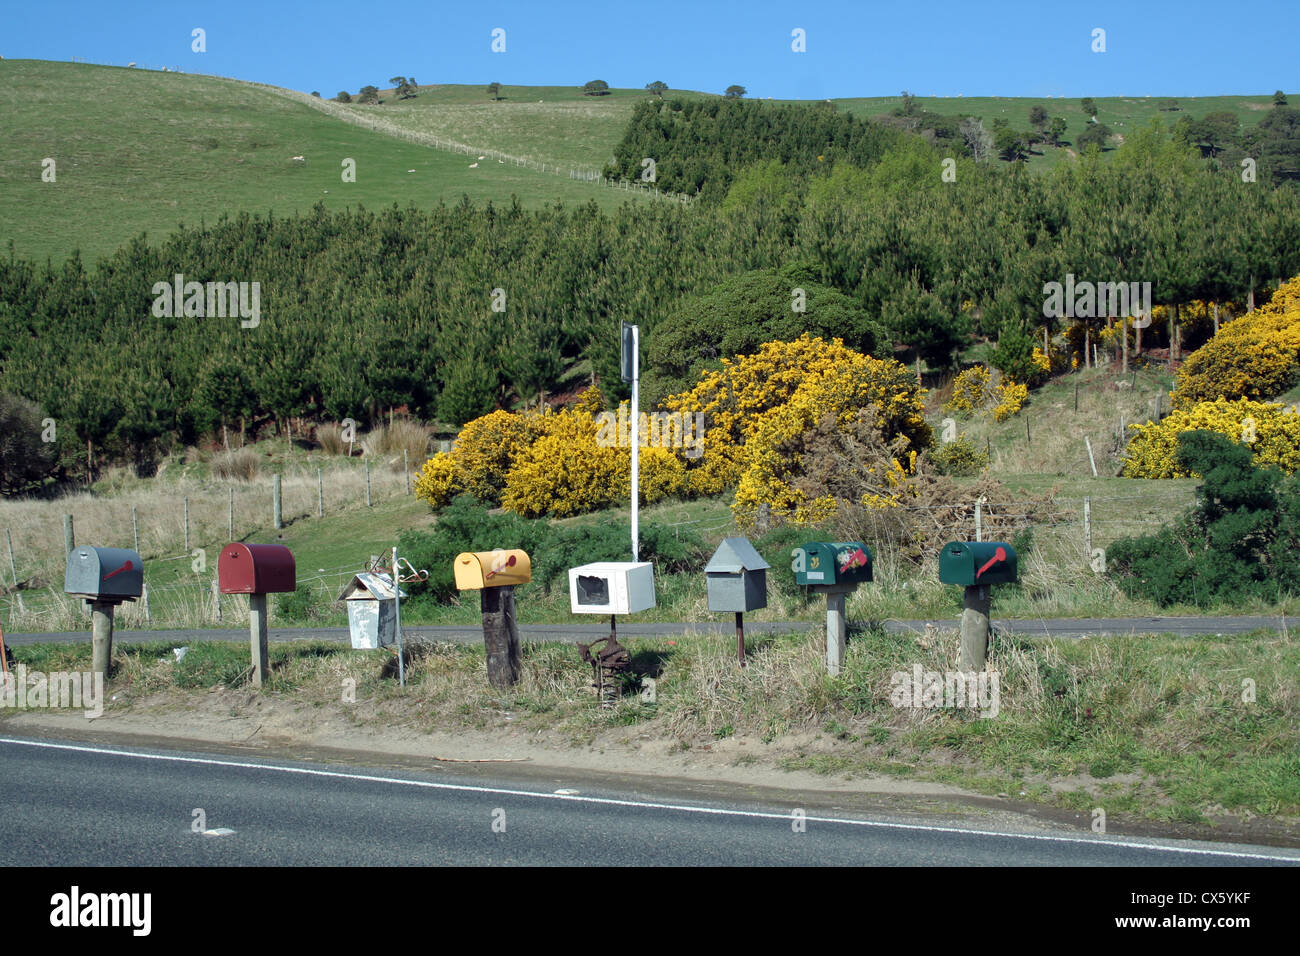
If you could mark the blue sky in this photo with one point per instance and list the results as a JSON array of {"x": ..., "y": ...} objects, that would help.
[{"x": 863, "y": 48}]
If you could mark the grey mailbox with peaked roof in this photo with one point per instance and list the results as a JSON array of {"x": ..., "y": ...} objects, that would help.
[
  {"x": 737, "y": 577},
  {"x": 371, "y": 600}
]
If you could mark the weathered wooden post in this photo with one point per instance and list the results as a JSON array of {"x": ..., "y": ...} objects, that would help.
[
  {"x": 69, "y": 539},
  {"x": 276, "y": 503},
  {"x": 975, "y": 627},
  {"x": 495, "y": 574}
]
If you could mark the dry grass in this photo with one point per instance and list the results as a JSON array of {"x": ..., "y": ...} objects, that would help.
[
  {"x": 242, "y": 464},
  {"x": 330, "y": 438},
  {"x": 390, "y": 441}
]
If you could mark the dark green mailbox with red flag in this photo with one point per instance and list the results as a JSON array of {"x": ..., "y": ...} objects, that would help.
[{"x": 978, "y": 562}]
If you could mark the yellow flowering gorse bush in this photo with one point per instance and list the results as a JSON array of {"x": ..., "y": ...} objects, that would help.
[
  {"x": 1256, "y": 356},
  {"x": 1271, "y": 430}
]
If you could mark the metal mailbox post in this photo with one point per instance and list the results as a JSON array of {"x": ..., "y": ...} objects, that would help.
[
  {"x": 496, "y": 573},
  {"x": 256, "y": 570},
  {"x": 737, "y": 582},
  {"x": 833, "y": 568},
  {"x": 104, "y": 577},
  {"x": 976, "y": 565}
]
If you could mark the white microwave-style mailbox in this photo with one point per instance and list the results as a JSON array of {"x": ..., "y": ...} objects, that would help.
[{"x": 612, "y": 587}]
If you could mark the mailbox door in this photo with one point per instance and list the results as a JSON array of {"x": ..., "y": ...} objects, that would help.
[
  {"x": 956, "y": 566},
  {"x": 726, "y": 592},
  {"x": 469, "y": 571},
  {"x": 819, "y": 564}
]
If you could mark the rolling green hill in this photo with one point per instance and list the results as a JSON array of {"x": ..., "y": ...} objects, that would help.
[
  {"x": 140, "y": 151},
  {"x": 1122, "y": 114}
]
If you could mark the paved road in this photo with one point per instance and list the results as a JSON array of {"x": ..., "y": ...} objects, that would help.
[
  {"x": 569, "y": 633},
  {"x": 73, "y": 804}
]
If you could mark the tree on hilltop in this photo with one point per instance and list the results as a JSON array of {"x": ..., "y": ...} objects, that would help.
[{"x": 595, "y": 88}]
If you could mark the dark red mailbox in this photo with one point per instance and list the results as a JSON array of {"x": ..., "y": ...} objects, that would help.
[{"x": 256, "y": 569}]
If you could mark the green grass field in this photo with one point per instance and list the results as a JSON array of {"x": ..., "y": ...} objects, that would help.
[{"x": 139, "y": 151}]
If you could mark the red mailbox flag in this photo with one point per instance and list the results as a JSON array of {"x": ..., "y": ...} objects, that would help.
[{"x": 998, "y": 555}]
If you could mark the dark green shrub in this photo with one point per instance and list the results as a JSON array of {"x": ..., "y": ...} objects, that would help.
[{"x": 1239, "y": 541}]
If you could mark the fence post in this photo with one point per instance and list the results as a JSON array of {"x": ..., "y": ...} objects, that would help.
[
  {"x": 135, "y": 529},
  {"x": 144, "y": 598},
  {"x": 276, "y": 505},
  {"x": 320, "y": 492},
  {"x": 368, "y": 483},
  {"x": 69, "y": 539},
  {"x": 216, "y": 598},
  {"x": 1087, "y": 524},
  {"x": 979, "y": 518},
  {"x": 232, "y": 513},
  {"x": 187, "y": 525},
  {"x": 406, "y": 468}
]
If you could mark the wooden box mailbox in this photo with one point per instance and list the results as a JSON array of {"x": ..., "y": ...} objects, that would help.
[
  {"x": 832, "y": 563},
  {"x": 256, "y": 569},
  {"x": 612, "y": 587},
  {"x": 476, "y": 570},
  {"x": 978, "y": 562},
  {"x": 104, "y": 575},
  {"x": 737, "y": 577}
]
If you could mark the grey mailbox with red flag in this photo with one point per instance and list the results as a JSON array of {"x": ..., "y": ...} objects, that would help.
[{"x": 104, "y": 574}]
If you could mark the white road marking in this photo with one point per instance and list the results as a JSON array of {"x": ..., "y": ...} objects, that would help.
[{"x": 646, "y": 805}]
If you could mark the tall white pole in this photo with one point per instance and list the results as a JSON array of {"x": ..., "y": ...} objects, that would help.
[{"x": 636, "y": 439}]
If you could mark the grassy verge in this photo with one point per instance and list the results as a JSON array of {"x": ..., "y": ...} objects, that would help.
[{"x": 1157, "y": 727}]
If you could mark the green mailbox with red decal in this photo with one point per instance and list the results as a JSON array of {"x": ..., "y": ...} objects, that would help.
[{"x": 831, "y": 563}]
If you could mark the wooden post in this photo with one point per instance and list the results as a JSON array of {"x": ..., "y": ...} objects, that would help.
[
  {"x": 1216, "y": 318},
  {"x": 69, "y": 539},
  {"x": 144, "y": 599},
  {"x": 740, "y": 638},
  {"x": 836, "y": 630},
  {"x": 13, "y": 567},
  {"x": 257, "y": 636},
  {"x": 1123, "y": 332},
  {"x": 320, "y": 493},
  {"x": 1091, "y": 461},
  {"x": 975, "y": 627},
  {"x": 406, "y": 468},
  {"x": 1076, "y": 396},
  {"x": 979, "y": 518},
  {"x": 135, "y": 528},
  {"x": 1087, "y": 524},
  {"x": 367, "y": 482},
  {"x": 187, "y": 525},
  {"x": 216, "y": 598},
  {"x": 501, "y": 636},
  {"x": 232, "y": 514},
  {"x": 1028, "y": 439},
  {"x": 276, "y": 506},
  {"x": 101, "y": 637},
  {"x": 1087, "y": 346}
]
